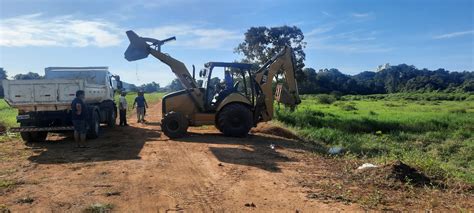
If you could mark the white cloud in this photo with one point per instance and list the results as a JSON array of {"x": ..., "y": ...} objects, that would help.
[
  {"x": 361, "y": 15},
  {"x": 37, "y": 30},
  {"x": 326, "y": 13},
  {"x": 355, "y": 41},
  {"x": 193, "y": 36},
  {"x": 68, "y": 31},
  {"x": 318, "y": 31},
  {"x": 454, "y": 34}
]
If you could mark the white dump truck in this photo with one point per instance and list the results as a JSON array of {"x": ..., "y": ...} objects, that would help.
[{"x": 45, "y": 105}]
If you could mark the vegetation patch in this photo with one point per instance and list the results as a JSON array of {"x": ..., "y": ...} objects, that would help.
[
  {"x": 436, "y": 137},
  {"x": 99, "y": 208}
]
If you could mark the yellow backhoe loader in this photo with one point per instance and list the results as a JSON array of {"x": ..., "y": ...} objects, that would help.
[{"x": 234, "y": 106}]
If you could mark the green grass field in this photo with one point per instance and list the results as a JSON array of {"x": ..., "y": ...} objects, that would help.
[
  {"x": 7, "y": 114},
  {"x": 435, "y": 136}
]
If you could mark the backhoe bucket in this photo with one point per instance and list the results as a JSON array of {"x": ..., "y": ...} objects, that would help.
[
  {"x": 282, "y": 95},
  {"x": 138, "y": 48}
]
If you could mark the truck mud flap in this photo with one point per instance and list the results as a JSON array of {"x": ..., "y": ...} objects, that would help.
[{"x": 41, "y": 129}]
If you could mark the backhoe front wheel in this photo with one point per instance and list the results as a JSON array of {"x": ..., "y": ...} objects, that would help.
[
  {"x": 174, "y": 125},
  {"x": 235, "y": 120}
]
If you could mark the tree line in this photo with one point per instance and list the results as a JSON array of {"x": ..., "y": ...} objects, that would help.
[{"x": 394, "y": 79}]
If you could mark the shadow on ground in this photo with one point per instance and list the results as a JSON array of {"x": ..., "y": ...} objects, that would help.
[
  {"x": 119, "y": 143},
  {"x": 255, "y": 150}
]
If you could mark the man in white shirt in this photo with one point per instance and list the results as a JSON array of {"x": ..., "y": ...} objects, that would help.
[{"x": 123, "y": 109}]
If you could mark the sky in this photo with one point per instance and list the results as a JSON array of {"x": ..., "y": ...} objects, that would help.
[{"x": 352, "y": 36}]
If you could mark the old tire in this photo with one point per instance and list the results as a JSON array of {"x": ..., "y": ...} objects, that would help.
[
  {"x": 235, "y": 120},
  {"x": 94, "y": 126},
  {"x": 30, "y": 137},
  {"x": 174, "y": 125},
  {"x": 111, "y": 118}
]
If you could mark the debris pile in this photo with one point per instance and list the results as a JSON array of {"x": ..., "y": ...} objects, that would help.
[
  {"x": 3, "y": 129},
  {"x": 405, "y": 173},
  {"x": 395, "y": 172},
  {"x": 270, "y": 129}
]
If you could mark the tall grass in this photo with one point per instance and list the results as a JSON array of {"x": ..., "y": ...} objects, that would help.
[
  {"x": 7, "y": 114},
  {"x": 436, "y": 136}
]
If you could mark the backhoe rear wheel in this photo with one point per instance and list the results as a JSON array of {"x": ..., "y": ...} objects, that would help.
[
  {"x": 174, "y": 125},
  {"x": 235, "y": 120}
]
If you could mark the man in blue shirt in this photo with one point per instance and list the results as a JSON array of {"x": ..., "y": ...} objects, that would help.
[
  {"x": 141, "y": 103},
  {"x": 79, "y": 115}
]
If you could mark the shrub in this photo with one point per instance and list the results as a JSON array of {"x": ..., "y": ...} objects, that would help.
[
  {"x": 326, "y": 99},
  {"x": 461, "y": 111},
  {"x": 348, "y": 107}
]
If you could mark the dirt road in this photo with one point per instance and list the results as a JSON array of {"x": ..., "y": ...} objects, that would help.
[{"x": 136, "y": 169}]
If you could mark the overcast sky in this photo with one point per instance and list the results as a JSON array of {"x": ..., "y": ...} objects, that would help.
[{"x": 352, "y": 36}]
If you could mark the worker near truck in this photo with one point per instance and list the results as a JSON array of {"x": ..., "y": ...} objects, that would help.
[
  {"x": 141, "y": 104},
  {"x": 79, "y": 115},
  {"x": 123, "y": 109}
]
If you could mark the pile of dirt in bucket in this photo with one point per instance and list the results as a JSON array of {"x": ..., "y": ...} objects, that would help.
[
  {"x": 269, "y": 129},
  {"x": 397, "y": 172}
]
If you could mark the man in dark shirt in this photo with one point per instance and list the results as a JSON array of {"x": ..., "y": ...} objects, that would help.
[
  {"x": 140, "y": 102},
  {"x": 79, "y": 115}
]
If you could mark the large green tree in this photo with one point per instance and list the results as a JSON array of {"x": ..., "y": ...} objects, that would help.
[{"x": 262, "y": 43}]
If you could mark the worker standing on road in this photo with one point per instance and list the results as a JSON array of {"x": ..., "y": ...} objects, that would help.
[
  {"x": 79, "y": 115},
  {"x": 141, "y": 104},
  {"x": 123, "y": 109}
]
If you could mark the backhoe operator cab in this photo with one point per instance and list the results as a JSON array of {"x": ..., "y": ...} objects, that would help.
[
  {"x": 228, "y": 95},
  {"x": 222, "y": 79}
]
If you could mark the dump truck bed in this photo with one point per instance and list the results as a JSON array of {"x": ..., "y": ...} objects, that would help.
[{"x": 41, "y": 95}]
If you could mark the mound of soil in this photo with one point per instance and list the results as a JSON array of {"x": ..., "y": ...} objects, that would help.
[
  {"x": 398, "y": 172},
  {"x": 405, "y": 173},
  {"x": 3, "y": 129},
  {"x": 270, "y": 129}
]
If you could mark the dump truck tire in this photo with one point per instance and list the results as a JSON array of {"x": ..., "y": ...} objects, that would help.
[
  {"x": 174, "y": 125},
  {"x": 111, "y": 118},
  {"x": 94, "y": 126},
  {"x": 30, "y": 137},
  {"x": 235, "y": 120}
]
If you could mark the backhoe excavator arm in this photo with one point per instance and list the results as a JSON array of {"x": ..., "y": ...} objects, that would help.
[
  {"x": 141, "y": 47},
  {"x": 283, "y": 61}
]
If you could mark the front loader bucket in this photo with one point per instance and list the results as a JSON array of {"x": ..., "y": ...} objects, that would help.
[{"x": 138, "y": 48}]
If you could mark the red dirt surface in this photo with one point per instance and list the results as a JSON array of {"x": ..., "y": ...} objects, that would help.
[{"x": 137, "y": 169}]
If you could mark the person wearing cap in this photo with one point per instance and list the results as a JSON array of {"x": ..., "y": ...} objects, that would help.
[
  {"x": 141, "y": 104},
  {"x": 123, "y": 105}
]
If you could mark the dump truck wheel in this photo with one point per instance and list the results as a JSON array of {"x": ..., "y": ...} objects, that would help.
[
  {"x": 174, "y": 125},
  {"x": 94, "y": 126},
  {"x": 31, "y": 137},
  {"x": 111, "y": 118},
  {"x": 235, "y": 120}
]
